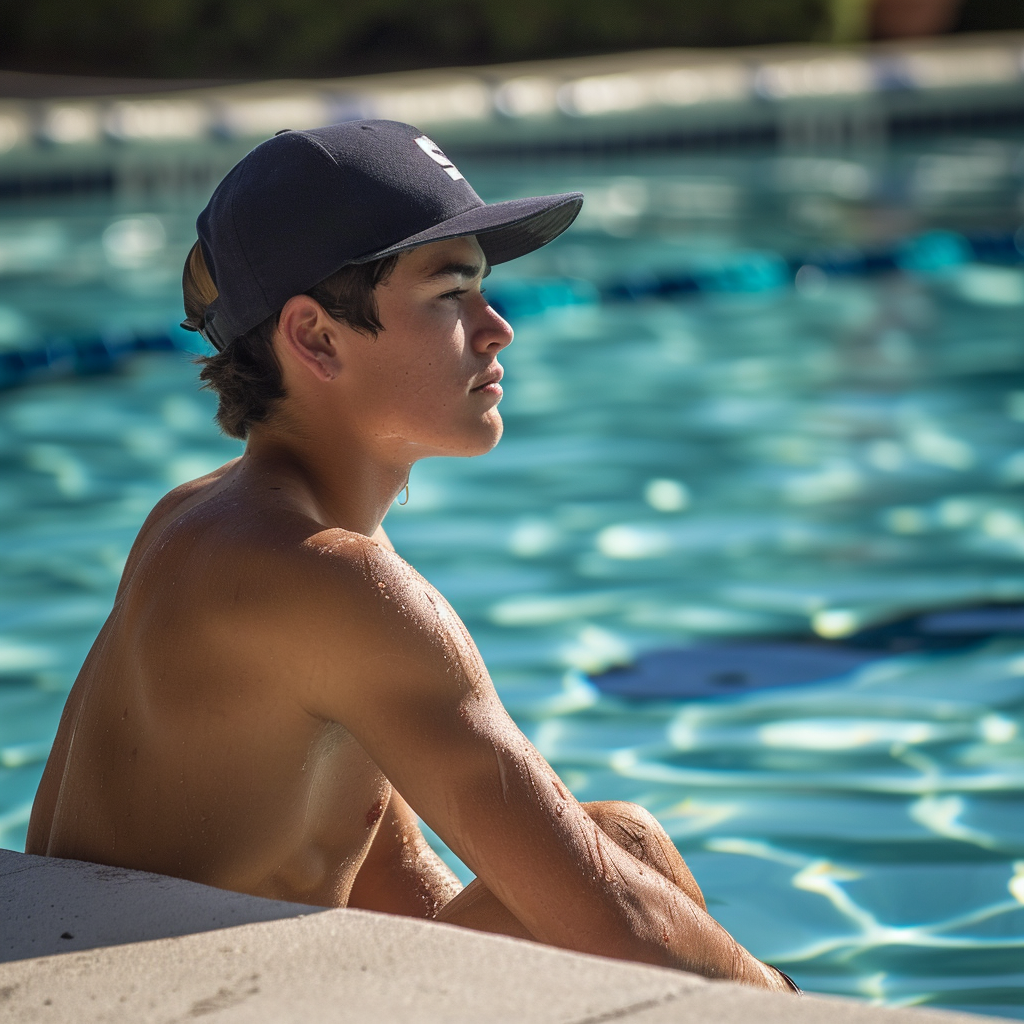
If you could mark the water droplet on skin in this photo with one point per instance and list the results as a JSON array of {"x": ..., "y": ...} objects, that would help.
[
  {"x": 374, "y": 813},
  {"x": 559, "y": 809}
]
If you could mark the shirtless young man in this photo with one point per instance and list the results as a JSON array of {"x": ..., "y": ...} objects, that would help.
[{"x": 277, "y": 695}]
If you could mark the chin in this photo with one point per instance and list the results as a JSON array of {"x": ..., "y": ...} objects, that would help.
[
  {"x": 476, "y": 436},
  {"x": 494, "y": 429},
  {"x": 478, "y": 441},
  {"x": 479, "y": 447}
]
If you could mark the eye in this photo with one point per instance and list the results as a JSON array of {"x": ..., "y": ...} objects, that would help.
[{"x": 457, "y": 293}]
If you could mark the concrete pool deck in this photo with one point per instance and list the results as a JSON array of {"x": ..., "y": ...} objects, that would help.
[{"x": 89, "y": 943}]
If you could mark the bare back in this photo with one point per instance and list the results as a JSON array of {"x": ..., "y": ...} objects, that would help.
[{"x": 184, "y": 748}]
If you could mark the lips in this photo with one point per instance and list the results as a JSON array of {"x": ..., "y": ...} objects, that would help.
[{"x": 492, "y": 377}]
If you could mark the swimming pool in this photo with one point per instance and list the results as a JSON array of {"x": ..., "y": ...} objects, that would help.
[{"x": 752, "y": 458}]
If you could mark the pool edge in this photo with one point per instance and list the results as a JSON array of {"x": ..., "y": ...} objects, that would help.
[{"x": 285, "y": 962}]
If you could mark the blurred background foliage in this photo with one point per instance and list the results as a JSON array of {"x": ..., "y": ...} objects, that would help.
[{"x": 245, "y": 39}]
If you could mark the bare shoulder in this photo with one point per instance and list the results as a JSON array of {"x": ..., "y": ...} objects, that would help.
[
  {"x": 276, "y": 571},
  {"x": 367, "y": 577},
  {"x": 185, "y": 494},
  {"x": 331, "y": 617},
  {"x": 170, "y": 508},
  {"x": 258, "y": 557},
  {"x": 394, "y": 632}
]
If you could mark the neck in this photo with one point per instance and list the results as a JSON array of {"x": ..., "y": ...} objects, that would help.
[{"x": 342, "y": 483}]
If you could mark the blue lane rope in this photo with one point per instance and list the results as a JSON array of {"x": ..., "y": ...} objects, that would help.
[
  {"x": 738, "y": 272},
  {"x": 752, "y": 271},
  {"x": 84, "y": 355}
]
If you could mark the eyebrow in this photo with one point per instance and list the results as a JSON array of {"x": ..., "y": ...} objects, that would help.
[{"x": 456, "y": 269}]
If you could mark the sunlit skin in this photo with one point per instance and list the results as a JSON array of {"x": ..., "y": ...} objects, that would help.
[{"x": 273, "y": 675}]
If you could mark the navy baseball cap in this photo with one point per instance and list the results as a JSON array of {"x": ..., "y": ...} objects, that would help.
[{"x": 306, "y": 203}]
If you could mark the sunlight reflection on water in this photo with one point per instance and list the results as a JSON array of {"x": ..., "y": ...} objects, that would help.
[{"x": 799, "y": 461}]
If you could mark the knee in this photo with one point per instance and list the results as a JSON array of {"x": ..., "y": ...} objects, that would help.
[
  {"x": 638, "y": 832},
  {"x": 633, "y": 827}
]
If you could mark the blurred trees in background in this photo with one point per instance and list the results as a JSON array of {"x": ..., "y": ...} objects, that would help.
[{"x": 280, "y": 38}]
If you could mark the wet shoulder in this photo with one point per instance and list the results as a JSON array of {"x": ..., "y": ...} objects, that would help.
[
  {"x": 344, "y": 566},
  {"x": 380, "y": 597},
  {"x": 213, "y": 561},
  {"x": 384, "y": 637}
]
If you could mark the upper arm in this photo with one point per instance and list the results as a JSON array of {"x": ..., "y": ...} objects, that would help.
[{"x": 412, "y": 689}]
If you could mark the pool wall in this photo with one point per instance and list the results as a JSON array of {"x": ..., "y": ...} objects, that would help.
[{"x": 55, "y": 140}]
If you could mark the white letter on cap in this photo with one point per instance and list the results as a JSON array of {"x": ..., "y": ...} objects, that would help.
[{"x": 433, "y": 150}]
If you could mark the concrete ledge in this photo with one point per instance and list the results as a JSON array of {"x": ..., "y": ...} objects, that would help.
[
  {"x": 50, "y": 906},
  {"x": 230, "y": 957}
]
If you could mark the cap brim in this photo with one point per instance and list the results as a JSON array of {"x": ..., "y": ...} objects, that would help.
[{"x": 505, "y": 230}]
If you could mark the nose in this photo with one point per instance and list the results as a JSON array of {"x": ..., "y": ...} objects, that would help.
[{"x": 492, "y": 331}]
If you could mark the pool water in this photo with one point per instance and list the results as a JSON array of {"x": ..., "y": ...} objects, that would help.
[{"x": 757, "y": 460}]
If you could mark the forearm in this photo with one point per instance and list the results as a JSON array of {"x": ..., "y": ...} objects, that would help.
[
  {"x": 418, "y": 886},
  {"x": 427, "y": 884},
  {"x": 677, "y": 933},
  {"x": 650, "y": 920},
  {"x": 402, "y": 874},
  {"x": 641, "y": 836},
  {"x": 691, "y": 930},
  {"x": 631, "y": 911}
]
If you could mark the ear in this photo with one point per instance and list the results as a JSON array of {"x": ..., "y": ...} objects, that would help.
[{"x": 311, "y": 337}]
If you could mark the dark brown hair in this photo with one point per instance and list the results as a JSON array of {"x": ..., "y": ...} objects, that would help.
[{"x": 246, "y": 376}]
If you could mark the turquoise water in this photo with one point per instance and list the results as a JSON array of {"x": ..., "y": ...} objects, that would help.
[{"x": 768, "y": 462}]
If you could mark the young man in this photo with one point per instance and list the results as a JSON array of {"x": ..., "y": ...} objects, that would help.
[{"x": 277, "y": 695}]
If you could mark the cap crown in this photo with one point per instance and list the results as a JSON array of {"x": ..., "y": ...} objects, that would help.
[{"x": 304, "y": 203}]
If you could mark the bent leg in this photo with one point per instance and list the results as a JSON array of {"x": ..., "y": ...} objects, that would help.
[
  {"x": 478, "y": 908},
  {"x": 635, "y": 829},
  {"x": 638, "y": 832}
]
